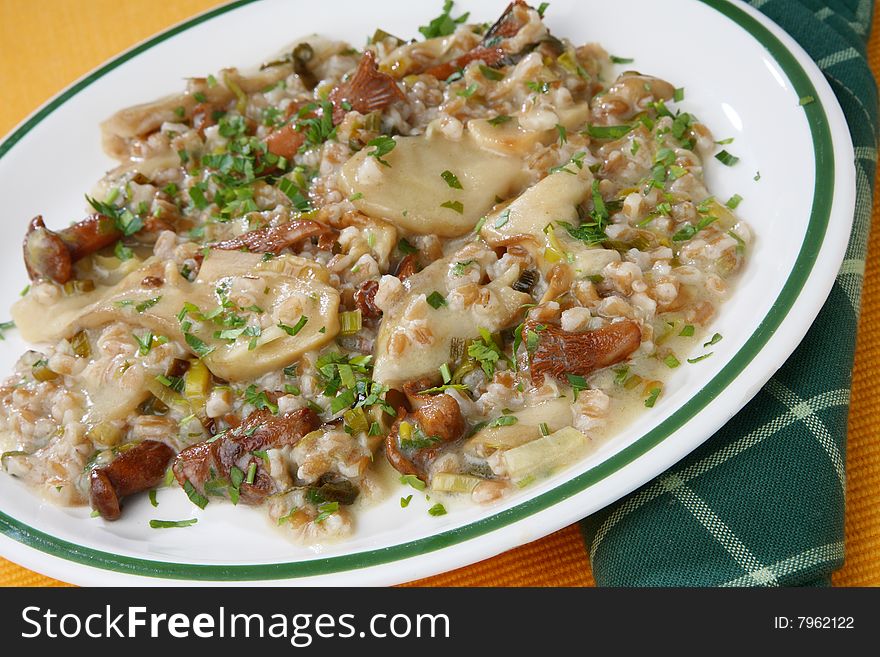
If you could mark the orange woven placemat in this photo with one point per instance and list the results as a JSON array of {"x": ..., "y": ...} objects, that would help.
[{"x": 46, "y": 45}]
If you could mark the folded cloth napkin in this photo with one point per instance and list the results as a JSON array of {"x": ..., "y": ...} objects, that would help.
[{"x": 761, "y": 503}]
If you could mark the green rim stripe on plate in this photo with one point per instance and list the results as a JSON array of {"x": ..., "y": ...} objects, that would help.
[{"x": 819, "y": 218}]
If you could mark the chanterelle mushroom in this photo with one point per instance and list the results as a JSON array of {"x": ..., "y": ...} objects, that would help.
[{"x": 51, "y": 255}]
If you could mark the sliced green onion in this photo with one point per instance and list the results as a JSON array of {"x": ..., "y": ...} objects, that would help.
[
  {"x": 350, "y": 322},
  {"x": 356, "y": 418}
]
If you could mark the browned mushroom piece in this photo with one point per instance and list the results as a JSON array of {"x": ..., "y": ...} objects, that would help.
[
  {"x": 51, "y": 255},
  {"x": 489, "y": 56},
  {"x": 509, "y": 24},
  {"x": 560, "y": 352},
  {"x": 274, "y": 239},
  {"x": 490, "y": 50},
  {"x": 261, "y": 430},
  {"x": 439, "y": 421},
  {"x": 368, "y": 90},
  {"x": 135, "y": 470},
  {"x": 365, "y": 299},
  {"x": 285, "y": 141}
]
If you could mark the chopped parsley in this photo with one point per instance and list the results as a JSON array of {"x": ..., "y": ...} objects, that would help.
[
  {"x": 652, "y": 397},
  {"x": 734, "y": 201},
  {"x": 591, "y": 232},
  {"x": 405, "y": 247},
  {"x": 459, "y": 267},
  {"x": 296, "y": 328},
  {"x": 145, "y": 344},
  {"x": 562, "y": 132},
  {"x": 122, "y": 252},
  {"x": 435, "y": 300},
  {"x": 538, "y": 87},
  {"x": 381, "y": 145},
  {"x": 194, "y": 496},
  {"x": 491, "y": 73},
  {"x": 726, "y": 158},
  {"x": 326, "y": 510},
  {"x": 621, "y": 60},
  {"x": 699, "y": 358},
  {"x": 404, "y": 501},
  {"x": 146, "y": 305},
  {"x": 199, "y": 346},
  {"x": 451, "y": 179},
  {"x": 166, "y": 524},
  {"x": 500, "y": 119},
  {"x": 413, "y": 481},
  {"x": 690, "y": 230},
  {"x": 455, "y": 206},
  {"x": 437, "y": 510},
  {"x": 467, "y": 92},
  {"x": 259, "y": 399},
  {"x": 503, "y": 421},
  {"x": 444, "y": 24},
  {"x": 486, "y": 352},
  {"x": 714, "y": 340},
  {"x": 609, "y": 131}
]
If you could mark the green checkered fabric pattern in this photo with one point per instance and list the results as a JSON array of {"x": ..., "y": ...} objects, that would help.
[{"x": 762, "y": 502}]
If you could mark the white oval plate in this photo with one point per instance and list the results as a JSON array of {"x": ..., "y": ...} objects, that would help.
[{"x": 743, "y": 77}]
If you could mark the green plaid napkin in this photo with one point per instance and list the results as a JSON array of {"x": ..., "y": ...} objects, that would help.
[{"x": 761, "y": 503}]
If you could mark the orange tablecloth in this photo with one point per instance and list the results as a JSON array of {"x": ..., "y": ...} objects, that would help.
[{"x": 46, "y": 45}]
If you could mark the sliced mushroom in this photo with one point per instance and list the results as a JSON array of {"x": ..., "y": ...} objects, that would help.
[
  {"x": 510, "y": 138},
  {"x": 285, "y": 289},
  {"x": 132, "y": 123},
  {"x": 630, "y": 95},
  {"x": 414, "y": 338},
  {"x": 554, "y": 413},
  {"x": 412, "y": 194},
  {"x": 273, "y": 239},
  {"x": 553, "y": 199},
  {"x": 135, "y": 470}
]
